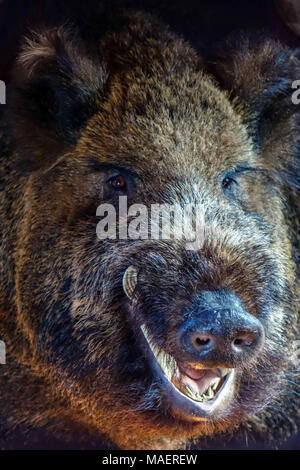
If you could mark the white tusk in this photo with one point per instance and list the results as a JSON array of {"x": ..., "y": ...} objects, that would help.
[{"x": 129, "y": 281}]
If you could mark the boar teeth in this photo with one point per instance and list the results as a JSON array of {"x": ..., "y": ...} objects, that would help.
[
  {"x": 129, "y": 281},
  {"x": 216, "y": 384},
  {"x": 171, "y": 371},
  {"x": 165, "y": 360},
  {"x": 190, "y": 391},
  {"x": 224, "y": 372}
]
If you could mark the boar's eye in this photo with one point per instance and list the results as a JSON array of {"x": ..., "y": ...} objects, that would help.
[
  {"x": 227, "y": 183},
  {"x": 118, "y": 183}
]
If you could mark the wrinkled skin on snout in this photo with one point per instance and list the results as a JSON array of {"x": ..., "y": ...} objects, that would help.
[{"x": 158, "y": 129}]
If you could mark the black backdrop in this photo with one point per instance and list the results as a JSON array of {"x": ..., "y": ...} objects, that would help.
[{"x": 202, "y": 22}]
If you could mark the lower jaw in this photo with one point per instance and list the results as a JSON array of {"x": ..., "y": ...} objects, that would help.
[{"x": 186, "y": 408}]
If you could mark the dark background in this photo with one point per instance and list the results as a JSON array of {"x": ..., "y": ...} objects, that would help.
[{"x": 202, "y": 22}]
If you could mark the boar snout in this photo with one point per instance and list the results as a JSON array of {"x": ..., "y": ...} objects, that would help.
[{"x": 219, "y": 331}]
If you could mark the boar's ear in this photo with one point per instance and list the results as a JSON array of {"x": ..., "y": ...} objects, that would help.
[
  {"x": 259, "y": 74},
  {"x": 55, "y": 90}
]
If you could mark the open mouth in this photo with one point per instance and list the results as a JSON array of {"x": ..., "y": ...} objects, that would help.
[{"x": 193, "y": 392}]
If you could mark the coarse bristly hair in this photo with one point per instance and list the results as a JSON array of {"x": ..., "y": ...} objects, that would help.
[{"x": 143, "y": 99}]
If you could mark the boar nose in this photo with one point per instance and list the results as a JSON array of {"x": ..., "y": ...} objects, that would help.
[
  {"x": 220, "y": 336},
  {"x": 233, "y": 342}
]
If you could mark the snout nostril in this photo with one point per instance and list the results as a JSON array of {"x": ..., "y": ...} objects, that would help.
[
  {"x": 244, "y": 341},
  {"x": 200, "y": 341},
  {"x": 240, "y": 342}
]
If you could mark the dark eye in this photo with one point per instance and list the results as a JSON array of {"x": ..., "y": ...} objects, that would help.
[
  {"x": 118, "y": 182},
  {"x": 228, "y": 182}
]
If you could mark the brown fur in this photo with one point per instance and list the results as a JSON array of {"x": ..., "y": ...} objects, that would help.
[{"x": 143, "y": 99}]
